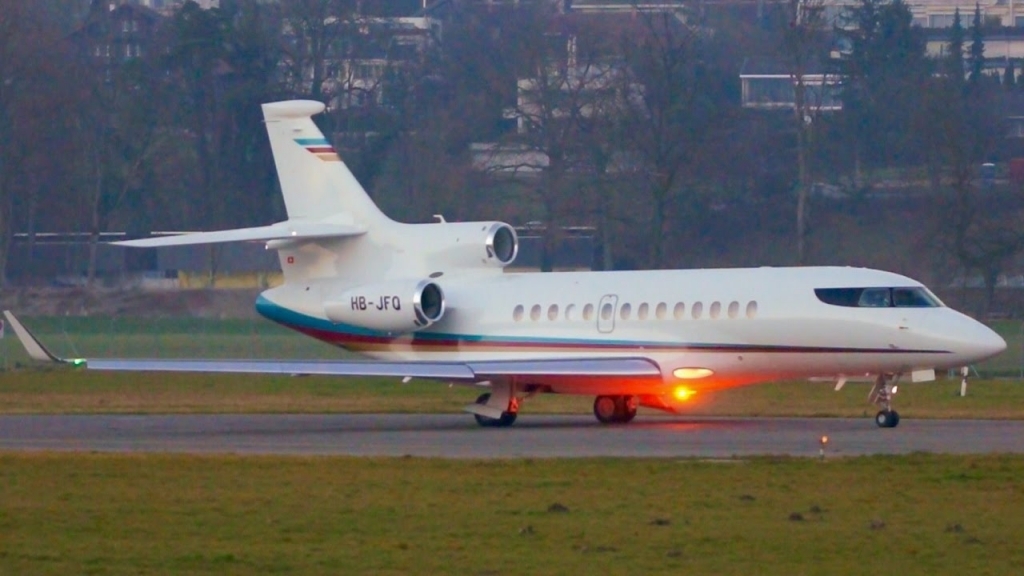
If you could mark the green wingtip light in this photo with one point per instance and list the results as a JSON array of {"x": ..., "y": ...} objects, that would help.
[{"x": 78, "y": 362}]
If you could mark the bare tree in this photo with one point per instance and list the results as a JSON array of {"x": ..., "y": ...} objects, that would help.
[
  {"x": 313, "y": 43},
  {"x": 672, "y": 108},
  {"x": 803, "y": 45},
  {"x": 562, "y": 74},
  {"x": 979, "y": 228}
]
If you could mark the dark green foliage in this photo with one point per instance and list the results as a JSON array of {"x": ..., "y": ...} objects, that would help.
[
  {"x": 955, "y": 54},
  {"x": 977, "y": 55},
  {"x": 882, "y": 73}
]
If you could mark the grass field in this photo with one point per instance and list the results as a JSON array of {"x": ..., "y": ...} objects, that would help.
[
  {"x": 69, "y": 391},
  {"x": 118, "y": 514}
]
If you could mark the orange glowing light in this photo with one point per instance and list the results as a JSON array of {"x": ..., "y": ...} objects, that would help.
[
  {"x": 682, "y": 393},
  {"x": 824, "y": 440}
]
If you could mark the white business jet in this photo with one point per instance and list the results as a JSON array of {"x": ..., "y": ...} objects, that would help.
[{"x": 433, "y": 301}]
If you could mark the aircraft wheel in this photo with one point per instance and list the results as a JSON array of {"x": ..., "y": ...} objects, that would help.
[
  {"x": 627, "y": 415},
  {"x": 887, "y": 418},
  {"x": 627, "y": 408},
  {"x": 507, "y": 418},
  {"x": 606, "y": 409}
]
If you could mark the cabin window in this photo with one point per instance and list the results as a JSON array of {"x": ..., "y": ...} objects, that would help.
[
  {"x": 517, "y": 313},
  {"x": 734, "y": 309},
  {"x": 588, "y": 312},
  {"x": 679, "y": 311},
  {"x": 641, "y": 312},
  {"x": 716, "y": 310},
  {"x": 570, "y": 310},
  {"x": 697, "y": 310},
  {"x": 751, "y": 309},
  {"x": 553, "y": 312},
  {"x": 606, "y": 311},
  {"x": 661, "y": 310},
  {"x": 911, "y": 297},
  {"x": 535, "y": 312},
  {"x": 624, "y": 311}
]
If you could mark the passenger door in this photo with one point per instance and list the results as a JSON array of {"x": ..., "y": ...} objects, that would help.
[{"x": 606, "y": 313}]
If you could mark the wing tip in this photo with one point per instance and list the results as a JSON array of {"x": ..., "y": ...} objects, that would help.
[{"x": 33, "y": 347}]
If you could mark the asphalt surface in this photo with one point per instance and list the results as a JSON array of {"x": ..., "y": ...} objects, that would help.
[{"x": 537, "y": 436}]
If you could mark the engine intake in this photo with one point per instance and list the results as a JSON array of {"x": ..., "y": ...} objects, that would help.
[
  {"x": 398, "y": 306},
  {"x": 502, "y": 243}
]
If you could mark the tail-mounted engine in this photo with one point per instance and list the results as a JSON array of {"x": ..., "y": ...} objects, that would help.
[
  {"x": 502, "y": 244},
  {"x": 468, "y": 244},
  {"x": 396, "y": 306}
]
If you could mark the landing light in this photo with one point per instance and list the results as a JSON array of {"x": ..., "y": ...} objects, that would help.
[
  {"x": 692, "y": 373},
  {"x": 682, "y": 393}
]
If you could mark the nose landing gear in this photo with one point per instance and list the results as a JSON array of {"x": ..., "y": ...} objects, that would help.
[{"x": 881, "y": 395}]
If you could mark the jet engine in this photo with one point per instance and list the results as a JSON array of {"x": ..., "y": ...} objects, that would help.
[
  {"x": 469, "y": 244},
  {"x": 396, "y": 306},
  {"x": 502, "y": 243}
]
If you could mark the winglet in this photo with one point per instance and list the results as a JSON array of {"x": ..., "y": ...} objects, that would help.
[{"x": 32, "y": 345}]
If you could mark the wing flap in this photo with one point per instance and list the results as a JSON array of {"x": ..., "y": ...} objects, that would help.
[
  {"x": 438, "y": 370},
  {"x": 471, "y": 371}
]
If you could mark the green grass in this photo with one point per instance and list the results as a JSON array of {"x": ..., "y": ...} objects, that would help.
[{"x": 145, "y": 514}]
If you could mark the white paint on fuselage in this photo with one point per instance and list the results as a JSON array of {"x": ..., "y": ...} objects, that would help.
[{"x": 792, "y": 334}]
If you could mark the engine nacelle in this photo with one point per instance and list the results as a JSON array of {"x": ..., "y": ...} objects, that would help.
[
  {"x": 469, "y": 244},
  {"x": 501, "y": 244},
  {"x": 395, "y": 306}
]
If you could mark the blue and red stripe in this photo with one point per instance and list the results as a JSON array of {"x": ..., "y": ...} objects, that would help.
[{"x": 359, "y": 339}]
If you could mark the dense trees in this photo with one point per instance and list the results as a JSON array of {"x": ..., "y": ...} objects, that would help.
[
  {"x": 29, "y": 65},
  {"x": 631, "y": 124}
]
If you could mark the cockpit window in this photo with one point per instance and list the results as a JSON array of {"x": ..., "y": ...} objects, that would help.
[
  {"x": 875, "y": 298},
  {"x": 914, "y": 297}
]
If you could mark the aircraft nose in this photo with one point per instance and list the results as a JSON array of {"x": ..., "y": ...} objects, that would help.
[{"x": 980, "y": 342}]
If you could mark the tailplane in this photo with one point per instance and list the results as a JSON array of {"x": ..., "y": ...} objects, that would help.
[{"x": 322, "y": 197}]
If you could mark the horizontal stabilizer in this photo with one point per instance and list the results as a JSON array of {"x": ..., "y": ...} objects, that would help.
[{"x": 288, "y": 230}]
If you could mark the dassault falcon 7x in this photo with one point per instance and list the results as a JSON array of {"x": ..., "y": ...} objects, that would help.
[{"x": 433, "y": 301}]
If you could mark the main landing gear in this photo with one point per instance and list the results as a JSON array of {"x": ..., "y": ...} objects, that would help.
[
  {"x": 615, "y": 409},
  {"x": 505, "y": 420},
  {"x": 881, "y": 395}
]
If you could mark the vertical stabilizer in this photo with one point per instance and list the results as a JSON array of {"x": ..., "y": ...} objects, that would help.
[{"x": 315, "y": 182}]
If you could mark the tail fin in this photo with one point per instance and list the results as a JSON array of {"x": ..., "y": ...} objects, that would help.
[{"x": 315, "y": 182}]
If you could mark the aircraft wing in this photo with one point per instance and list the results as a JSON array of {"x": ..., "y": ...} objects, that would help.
[
  {"x": 471, "y": 371},
  {"x": 280, "y": 231}
]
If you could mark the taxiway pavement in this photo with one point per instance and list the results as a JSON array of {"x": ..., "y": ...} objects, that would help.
[{"x": 535, "y": 436}]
